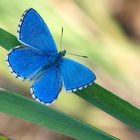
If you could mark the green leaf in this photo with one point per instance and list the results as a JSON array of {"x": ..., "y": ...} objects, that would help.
[
  {"x": 29, "y": 110},
  {"x": 112, "y": 104},
  {"x": 7, "y": 40}
]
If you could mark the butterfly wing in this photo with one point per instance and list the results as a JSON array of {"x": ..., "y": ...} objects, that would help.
[
  {"x": 75, "y": 75},
  {"x": 34, "y": 32},
  {"x": 47, "y": 88},
  {"x": 25, "y": 61}
]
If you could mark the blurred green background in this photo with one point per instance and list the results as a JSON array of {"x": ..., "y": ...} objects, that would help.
[{"x": 108, "y": 32}]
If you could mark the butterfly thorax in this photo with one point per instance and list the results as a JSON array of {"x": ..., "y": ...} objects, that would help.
[{"x": 54, "y": 59}]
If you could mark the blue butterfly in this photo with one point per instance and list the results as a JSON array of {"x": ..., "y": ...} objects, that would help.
[{"x": 38, "y": 60}]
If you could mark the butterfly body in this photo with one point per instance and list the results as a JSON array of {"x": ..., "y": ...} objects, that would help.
[
  {"x": 56, "y": 58},
  {"x": 38, "y": 60}
]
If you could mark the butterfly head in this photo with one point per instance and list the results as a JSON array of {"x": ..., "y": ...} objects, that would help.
[{"x": 62, "y": 53}]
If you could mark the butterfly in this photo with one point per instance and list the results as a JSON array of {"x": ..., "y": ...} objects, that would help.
[{"x": 39, "y": 61}]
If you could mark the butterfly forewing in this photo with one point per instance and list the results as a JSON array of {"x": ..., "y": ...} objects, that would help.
[
  {"x": 25, "y": 61},
  {"x": 34, "y": 32}
]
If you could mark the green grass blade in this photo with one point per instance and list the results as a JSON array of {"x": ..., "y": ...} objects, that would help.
[
  {"x": 112, "y": 104},
  {"x": 29, "y": 110},
  {"x": 7, "y": 40}
]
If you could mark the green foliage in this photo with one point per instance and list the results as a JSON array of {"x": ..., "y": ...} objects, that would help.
[
  {"x": 29, "y": 110},
  {"x": 7, "y": 40},
  {"x": 112, "y": 104},
  {"x": 2, "y": 137}
]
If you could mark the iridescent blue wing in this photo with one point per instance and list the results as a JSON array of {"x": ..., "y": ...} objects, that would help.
[
  {"x": 33, "y": 31},
  {"x": 47, "y": 88},
  {"x": 75, "y": 75},
  {"x": 25, "y": 62}
]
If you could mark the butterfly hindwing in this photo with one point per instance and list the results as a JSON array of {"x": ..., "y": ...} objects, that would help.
[
  {"x": 25, "y": 61},
  {"x": 47, "y": 88},
  {"x": 75, "y": 75},
  {"x": 34, "y": 32}
]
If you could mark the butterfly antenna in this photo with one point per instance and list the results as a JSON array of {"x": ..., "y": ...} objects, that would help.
[
  {"x": 77, "y": 55},
  {"x": 61, "y": 38},
  {"x": 67, "y": 52}
]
